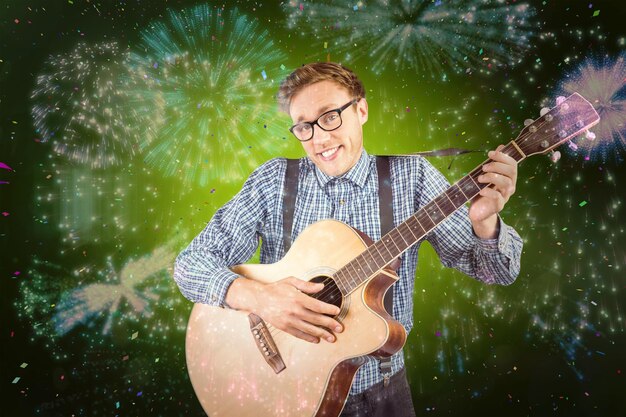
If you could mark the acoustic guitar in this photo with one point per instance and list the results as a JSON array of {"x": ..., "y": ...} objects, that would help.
[{"x": 240, "y": 365}]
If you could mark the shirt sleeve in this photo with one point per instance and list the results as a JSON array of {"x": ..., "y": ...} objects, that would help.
[
  {"x": 493, "y": 261},
  {"x": 230, "y": 238}
]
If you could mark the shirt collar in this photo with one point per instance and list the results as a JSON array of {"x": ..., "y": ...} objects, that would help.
[{"x": 358, "y": 174}]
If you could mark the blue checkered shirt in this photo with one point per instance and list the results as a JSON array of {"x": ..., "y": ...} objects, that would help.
[{"x": 255, "y": 215}]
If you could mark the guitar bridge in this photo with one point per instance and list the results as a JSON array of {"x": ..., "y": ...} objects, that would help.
[{"x": 265, "y": 343}]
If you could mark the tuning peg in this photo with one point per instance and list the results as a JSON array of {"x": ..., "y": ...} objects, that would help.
[
  {"x": 572, "y": 146},
  {"x": 560, "y": 100},
  {"x": 544, "y": 111},
  {"x": 590, "y": 135},
  {"x": 528, "y": 122},
  {"x": 555, "y": 156}
]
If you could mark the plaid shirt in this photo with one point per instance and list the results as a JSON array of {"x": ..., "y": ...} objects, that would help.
[{"x": 255, "y": 213}]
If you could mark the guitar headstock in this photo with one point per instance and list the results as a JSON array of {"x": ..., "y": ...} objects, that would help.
[{"x": 567, "y": 119}]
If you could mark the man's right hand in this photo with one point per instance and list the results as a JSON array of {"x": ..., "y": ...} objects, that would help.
[{"x": 285, "y": 305}]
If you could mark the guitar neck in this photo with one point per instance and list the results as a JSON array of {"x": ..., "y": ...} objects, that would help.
[
  {"x": 570, "y": 117},
  {"x": 412, "y": 230}
]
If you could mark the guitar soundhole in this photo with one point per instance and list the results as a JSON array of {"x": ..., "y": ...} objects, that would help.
[{"x": 331, "y": 293}]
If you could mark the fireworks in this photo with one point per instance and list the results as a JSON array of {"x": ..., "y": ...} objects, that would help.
[
  {"x": 603, "y": 83},
  {"x": 81, "y": 304},
  {"x": 430, "y": 37},
  {"x": 102, "y": 300},
  {"x": 213, "y": 75},
  {"x": 79, "y": 107}
]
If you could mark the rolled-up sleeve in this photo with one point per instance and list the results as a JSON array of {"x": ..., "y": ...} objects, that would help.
[
  {"x": 493, "y": 261},
  {"x": 230, "y": 238}
]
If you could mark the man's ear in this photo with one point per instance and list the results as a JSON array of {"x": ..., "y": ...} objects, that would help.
[{"x": 361, "y": 110}]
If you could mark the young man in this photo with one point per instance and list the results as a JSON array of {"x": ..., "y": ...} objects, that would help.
[{"x": 338, "y": 180}]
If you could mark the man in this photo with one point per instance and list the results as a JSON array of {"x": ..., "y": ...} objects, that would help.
[{"x": 338, "y": 179}]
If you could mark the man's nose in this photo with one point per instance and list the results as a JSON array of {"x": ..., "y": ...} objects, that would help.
[{"x": 319, "y": 134}]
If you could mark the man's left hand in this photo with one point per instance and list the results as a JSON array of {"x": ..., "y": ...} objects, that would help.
[{"x": 484, "y": 209}]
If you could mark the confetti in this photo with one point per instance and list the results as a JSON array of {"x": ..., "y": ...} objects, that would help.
[{"x": 582, "y": 203}]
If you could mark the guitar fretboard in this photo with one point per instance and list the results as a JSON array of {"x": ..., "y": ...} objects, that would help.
[{"x": 408, "y": 233}]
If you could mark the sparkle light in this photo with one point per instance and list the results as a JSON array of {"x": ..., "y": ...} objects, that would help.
[
  {"x": 79, "y": 107},
  {"x": 212, "y": 74},
  {"x": 425, "y": 36},
  {"x": 603, "y": 84}
]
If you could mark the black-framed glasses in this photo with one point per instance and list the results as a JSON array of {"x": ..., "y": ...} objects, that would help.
[{"x": 328, "y": 121}]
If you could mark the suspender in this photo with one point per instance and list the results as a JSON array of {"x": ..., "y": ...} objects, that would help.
[
  {"x": 385, "y": 201},
  {"x": 385, "y": 206},
  {"x": 289, "y": 199}
]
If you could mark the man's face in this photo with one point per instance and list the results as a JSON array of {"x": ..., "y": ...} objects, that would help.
[{"x": 337, "y": 151}]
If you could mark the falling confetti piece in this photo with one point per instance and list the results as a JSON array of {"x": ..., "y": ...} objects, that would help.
[
  {"x": 24, "y": 365},
  {"x": 135, "y": 335},
  {"x": 264, "y": 74},
  {"x": 596, "y": 13},
  {"x": 17, "y": 378},
  {"x": 5, "y": 166},
  {"x": 582, "y": 203}
]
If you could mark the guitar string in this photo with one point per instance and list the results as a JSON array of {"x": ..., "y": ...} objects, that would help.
[{"x": 334, "y": 291}]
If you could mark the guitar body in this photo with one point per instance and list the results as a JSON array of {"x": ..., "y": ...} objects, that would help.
[{"x": 228, "y": 370}]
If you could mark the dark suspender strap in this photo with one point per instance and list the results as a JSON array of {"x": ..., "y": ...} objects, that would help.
[
  {"x": 385, "y": 207},
  {"x": 290, "y": 192}
]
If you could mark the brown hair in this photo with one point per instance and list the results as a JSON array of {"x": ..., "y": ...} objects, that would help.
[{"x": 315, "y": 72}]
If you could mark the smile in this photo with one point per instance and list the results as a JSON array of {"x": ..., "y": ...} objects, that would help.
[{"x": 328, "y": 154}]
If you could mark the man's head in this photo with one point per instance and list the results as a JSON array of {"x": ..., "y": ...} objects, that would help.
[{"x": 310, "y": 92}]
